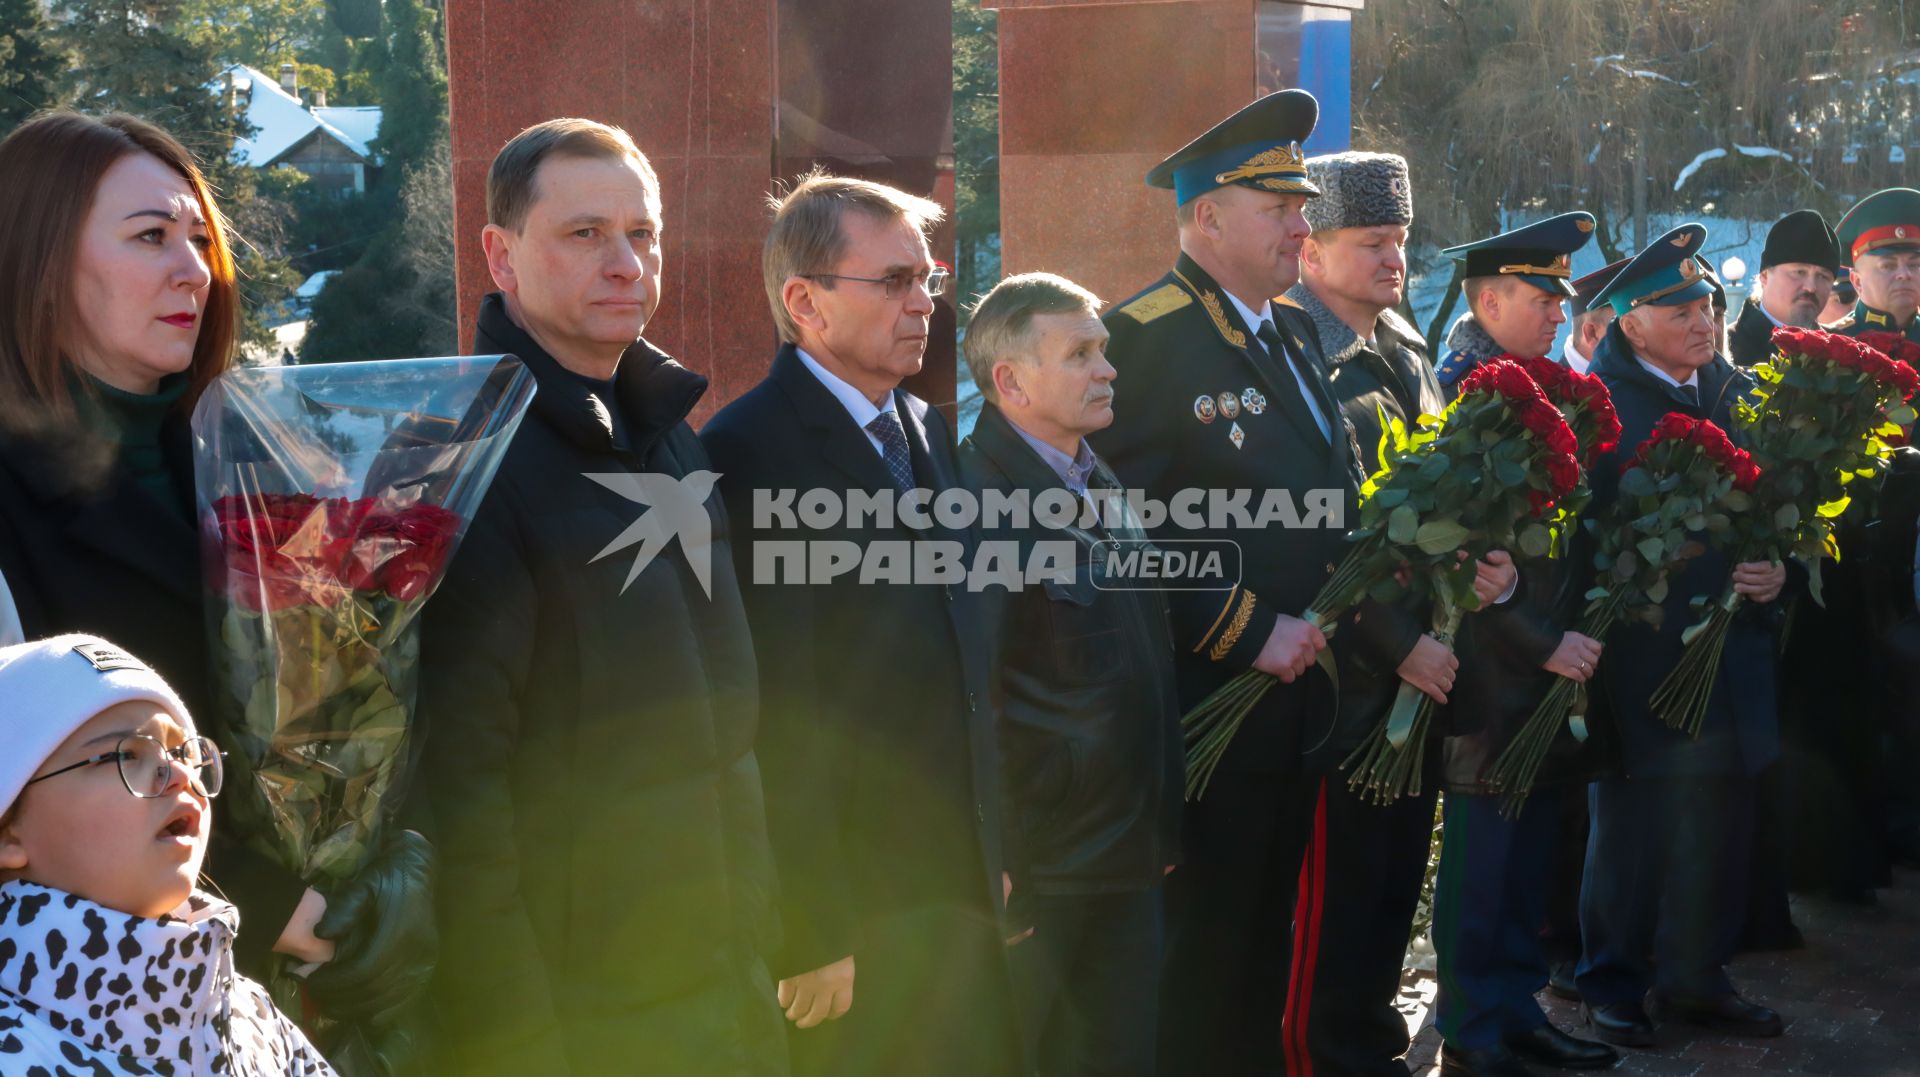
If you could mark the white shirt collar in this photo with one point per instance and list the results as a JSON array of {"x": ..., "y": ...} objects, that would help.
[
  {"x": 1575, "y": 361},
  {"x": 1693, "y": 377},
  {"x": 863, "y": 410},
  {"x": 1252, "y": 320}
]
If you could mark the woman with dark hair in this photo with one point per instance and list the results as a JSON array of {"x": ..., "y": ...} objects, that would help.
[{"x": 118, "y": 308}]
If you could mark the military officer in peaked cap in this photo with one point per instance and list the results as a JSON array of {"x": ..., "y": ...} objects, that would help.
[
  {"x": 1670, "y": 849},
  {"x": 1880, "y": 241},
  {"x": 1588, "y": 322},
  {"x": 1516, "y": 289},
  {"x": 1223, "y": 389},
  {"x": 1797, "y": 268}
]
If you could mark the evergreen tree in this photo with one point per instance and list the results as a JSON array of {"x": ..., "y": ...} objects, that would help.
[
  {"x": 32, "y": 64},
  {"x": 412, "y": 82},
  {"x": 135, "y": 58},
  {"x": 397, "y": 299}
]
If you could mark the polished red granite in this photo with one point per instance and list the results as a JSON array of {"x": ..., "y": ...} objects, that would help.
[
  {"x": 1093, "y": 93},
  {"x": 726, "y": 97}
]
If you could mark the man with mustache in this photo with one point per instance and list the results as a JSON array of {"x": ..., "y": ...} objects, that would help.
[
  {"x": 1833, "y": 699},
  {"x": 1090, "y": 727},
  {"x": 1797, "y": 268}
]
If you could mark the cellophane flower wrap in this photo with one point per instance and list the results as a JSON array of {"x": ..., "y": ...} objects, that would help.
[
  {"x": 331, "y": 498},
  {"x": 1473, "y": 479},
  {"x": 1817, "y": 426},
  {"x": 1685, "y": 478}
]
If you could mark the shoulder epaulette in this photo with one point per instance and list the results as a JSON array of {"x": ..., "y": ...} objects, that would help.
[
  {"x": 1453, "y": 367},
  {"x": 1287, "y": 301},
  {"x": 1161, "y": 301}
]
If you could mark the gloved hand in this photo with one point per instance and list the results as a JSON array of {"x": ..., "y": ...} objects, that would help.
[{"x": 382, "y": 925}]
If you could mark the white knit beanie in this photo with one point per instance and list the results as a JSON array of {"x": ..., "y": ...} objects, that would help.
[{"x": 51, "y": 687}]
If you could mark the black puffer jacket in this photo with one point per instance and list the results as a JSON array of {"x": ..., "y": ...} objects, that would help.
[{"x": 606, "y": 886}]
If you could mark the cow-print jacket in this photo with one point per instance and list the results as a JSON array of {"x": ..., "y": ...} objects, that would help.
[{"x": 89, "y": 992}]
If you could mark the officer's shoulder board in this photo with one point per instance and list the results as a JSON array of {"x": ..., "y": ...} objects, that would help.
[
  {"x": 1840, "y": 326},
  {"x": 1453, "y": 367},
  {"x": 1156, "y": 303}
]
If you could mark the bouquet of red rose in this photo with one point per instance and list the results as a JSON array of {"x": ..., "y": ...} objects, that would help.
[
  {"x": 1499, "y": 455},
  {"x": 1817, "y": 423},
  {"x": 331, "y": 499},
  {"x": 1587, "y": 406},
  {"x": 1686, "y": 477}
]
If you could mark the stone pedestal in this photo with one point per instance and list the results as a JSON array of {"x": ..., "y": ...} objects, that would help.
[
  {"x": 1094, "y": 93},
  {"x": 728, "y": 98}
]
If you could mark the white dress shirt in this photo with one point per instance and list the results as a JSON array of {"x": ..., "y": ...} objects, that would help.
[
  {"x": 1693, "y": 376},
  {"x": 1255, "y": 322},
  {"x": 863, "y": 410}
]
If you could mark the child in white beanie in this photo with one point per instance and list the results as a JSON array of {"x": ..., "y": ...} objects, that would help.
[{"x": 110, "y": 961}]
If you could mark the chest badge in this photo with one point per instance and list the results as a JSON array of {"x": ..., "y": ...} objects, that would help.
[
  {"x": 1203, "y": 408},
  {"x": 1229, "y": 406},
  {"x": 1253, "y": 401},
  {"x": 1237, "y": 436}
]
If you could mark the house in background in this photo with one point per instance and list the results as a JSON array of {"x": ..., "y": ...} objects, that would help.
[{"x": 331, "y": 145}]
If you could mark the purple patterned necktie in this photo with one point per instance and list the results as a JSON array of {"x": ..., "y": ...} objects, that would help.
[{"x": 893, "y": 443}]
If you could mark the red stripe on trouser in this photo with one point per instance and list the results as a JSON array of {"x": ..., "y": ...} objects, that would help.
[{"x": 1308, "y": 902}]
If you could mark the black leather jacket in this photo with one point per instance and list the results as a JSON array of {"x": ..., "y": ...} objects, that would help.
[{"x": 1090, "y": 733}]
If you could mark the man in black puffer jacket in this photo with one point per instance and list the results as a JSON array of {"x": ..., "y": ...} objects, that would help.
[{"x": 589, "y": 690}]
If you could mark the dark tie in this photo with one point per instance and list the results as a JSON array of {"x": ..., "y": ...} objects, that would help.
[
  {"x": 1692, "y": 393},
  {"x": 1296, "y": 385},
  {"x": 893, "y": 444}
]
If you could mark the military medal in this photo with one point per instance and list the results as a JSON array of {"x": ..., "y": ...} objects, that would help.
[
  {"x": 1229, "y": 406},
  {"x": 1203, "y": 409},
  {"x": 1253, "y": 401}
]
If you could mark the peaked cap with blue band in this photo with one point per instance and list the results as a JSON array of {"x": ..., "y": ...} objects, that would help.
[
  {"x": 1665, "y": 274},
  {"x": 1540, "y": 253},
  {"x": 1257, "y": 147}
]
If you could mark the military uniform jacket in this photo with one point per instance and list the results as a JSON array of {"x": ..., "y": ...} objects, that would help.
[
  {"x": 1752, "y": 336},
  {"x": 1199, "y": 405},
  {"x": 1740, "y": 733},
  {"x": 1866, "y": 319}
]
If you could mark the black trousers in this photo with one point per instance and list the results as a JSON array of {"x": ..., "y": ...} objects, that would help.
[
  {"x": 931, "y": 998},
  {"x": 1666, "y": 889},
  {"x": 1087, "y": 983},
  {"x": 1257, "y": 985}
]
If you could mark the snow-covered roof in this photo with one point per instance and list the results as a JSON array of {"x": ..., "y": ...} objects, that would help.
[
  {"x": 310, "y": 287},
  {"x": 281, "y": 122}
]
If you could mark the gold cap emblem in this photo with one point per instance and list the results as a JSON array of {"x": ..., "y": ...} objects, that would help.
[{"x": 1278, "y": 160}]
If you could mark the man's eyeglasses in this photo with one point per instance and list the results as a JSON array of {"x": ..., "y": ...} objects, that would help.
[
  {"x": 146, "y": 765},
  {"x": 895, "y": 285}
]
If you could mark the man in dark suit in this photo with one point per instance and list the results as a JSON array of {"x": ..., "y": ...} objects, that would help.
[
  {"x": 1797, "y": 267},
  {"x": 1670, "y": 851},
  {"x": 1091, "y": 725},
  {"x": 877, "y": 726}
]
